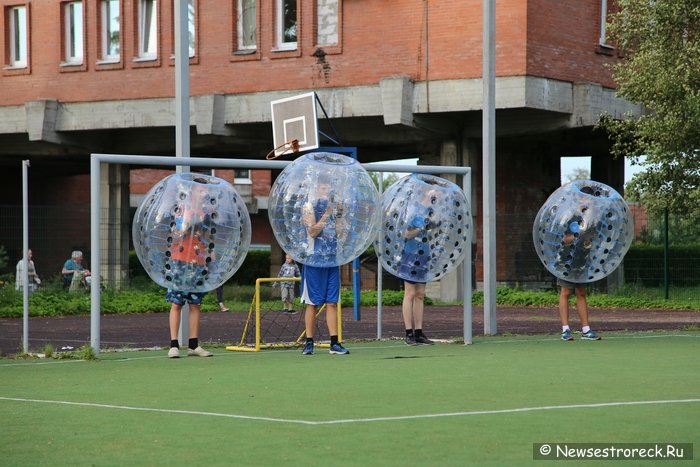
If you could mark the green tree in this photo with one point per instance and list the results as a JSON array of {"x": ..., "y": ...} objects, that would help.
[
  {"x": 660, "y": 70},
  {"x": 579, "y": 173}
]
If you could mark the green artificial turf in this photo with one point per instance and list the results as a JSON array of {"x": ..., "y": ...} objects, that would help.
[{"x": 385, "y": 404}]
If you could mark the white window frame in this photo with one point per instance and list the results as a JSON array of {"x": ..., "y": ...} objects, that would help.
[
  {"x": 148, "y": 30},
  {"x": 242, "y": 16},
  {"x": 19, "y": 46},
  {"x": 281, "y": 44},
  {"x": 74, "y": 40},
  {"x": 108, "y": 21}
]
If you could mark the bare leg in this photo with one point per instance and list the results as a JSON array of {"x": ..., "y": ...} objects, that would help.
[
  {"x": 332, "y": 318},
  {"x": 310, "y": 320},
  {"x": 194, "y": 321},
  {"x": 564, "y": 305},
  {"x": 413, "y": 305},
  {"x": 175, "y": 313},
  {"x": 582, "y": 305},
  {"x": 409, "y": 292}
]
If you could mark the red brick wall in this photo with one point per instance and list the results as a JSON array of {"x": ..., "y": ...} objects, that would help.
[{"x": 379, "y": 39}]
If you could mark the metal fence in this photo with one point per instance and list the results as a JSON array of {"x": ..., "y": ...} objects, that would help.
[{"x": 665, "y": 253}]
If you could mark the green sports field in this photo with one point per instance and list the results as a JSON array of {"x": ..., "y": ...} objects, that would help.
[{"x": 385, "y": 404}]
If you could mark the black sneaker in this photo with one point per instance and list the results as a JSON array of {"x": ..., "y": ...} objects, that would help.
[
  {"x": 410, "y": 340},
  {"x": 421, "y": 339}
]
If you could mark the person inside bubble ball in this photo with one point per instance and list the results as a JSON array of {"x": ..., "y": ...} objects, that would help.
[
  {"x": 188, "y": 253},
  {"x": 414, "y": 259},
  {"x": 576, "y": 247},
  {"x": 325, "y": 226}
]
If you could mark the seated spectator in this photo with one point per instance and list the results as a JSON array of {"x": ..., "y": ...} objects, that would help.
[{"x": 74, "y": 265}]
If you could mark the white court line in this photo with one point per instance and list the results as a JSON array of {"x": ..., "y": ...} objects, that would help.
[{"x": 355, "y": 420}]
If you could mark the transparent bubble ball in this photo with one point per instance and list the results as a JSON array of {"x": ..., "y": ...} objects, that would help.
[
  {"x": 425, "y": 228},
  {"x": 583, "y": 231},
  {"x": 191, "y": 232},
  {"x": 324, "y": 209}
]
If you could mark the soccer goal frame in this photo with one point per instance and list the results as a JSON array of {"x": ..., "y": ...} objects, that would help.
[
  {"x": 254, "y": 318},
  {"x": 169, "y": 161}
]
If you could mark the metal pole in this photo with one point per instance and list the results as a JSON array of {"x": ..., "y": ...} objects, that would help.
[
  {"x": 380, "y": 295},
  {"x": 25, "y": 256},
  {"x": 182, "y": 115},
  {"x": 467, "y": 265},
  {"x": 95, "y": 205},
  {"x": 489, "y": 164},
  {"x": 666, "y": 254}
]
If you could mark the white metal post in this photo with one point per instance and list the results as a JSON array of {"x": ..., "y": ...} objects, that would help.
[
  {"x": 489, "y": 164},
  {"x": 182, "y": 115},
  {"x": 25, "y": 256}
]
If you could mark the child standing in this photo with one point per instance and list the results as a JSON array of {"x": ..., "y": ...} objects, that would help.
[{"x": 288, "y": 269}]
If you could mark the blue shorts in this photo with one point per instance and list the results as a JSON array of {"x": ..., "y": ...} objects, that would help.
[
  {"x": 320, "y": 285},
  {"x": 180, "y": 298}
]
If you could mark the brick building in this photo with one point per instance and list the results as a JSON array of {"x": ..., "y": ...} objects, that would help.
[{"x": 398, "y": 80}]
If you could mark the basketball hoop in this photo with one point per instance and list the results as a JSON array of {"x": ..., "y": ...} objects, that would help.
[
  {"x": 290, "y": 146},
  {"x": 294, "y": 124}
]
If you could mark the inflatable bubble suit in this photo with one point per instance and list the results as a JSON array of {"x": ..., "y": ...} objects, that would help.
[
  {"x": 191, "y": 232},
  {"x": 583, "y": 231},
  {"x": 426, "y": 228},
  {"x": 324, "y": 209}
]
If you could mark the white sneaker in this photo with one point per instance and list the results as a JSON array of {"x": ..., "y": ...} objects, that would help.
[
  {"x": 198, "y": 352},
  {"x": 174, "y": 352}
]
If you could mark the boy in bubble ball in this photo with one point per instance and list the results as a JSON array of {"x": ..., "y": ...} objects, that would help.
[
  {"x": 325, "y": 224},
  {"x": 414, "y": 259},
  {"x": 188, "y": 253},
  {"x": 576, "y": 247}
]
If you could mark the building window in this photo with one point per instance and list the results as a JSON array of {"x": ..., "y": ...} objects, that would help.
[
  {"x": 246, "y": 24},
  {"x": 18, "y": 37},
  {"x": 241, "y": 176},
  {"x": 111, "y": 30},
  {"x": 73, "y": 34},
  {"x": 191, "y": 28},
  {"x": 192, "y": 32},
  {"x": 286, "y": 27},
  {"x": 148, "y": 29},
  {"x": 603, "y": 21}
]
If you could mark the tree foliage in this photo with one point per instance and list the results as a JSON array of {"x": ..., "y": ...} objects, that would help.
[{"x": 661, "y": 71}]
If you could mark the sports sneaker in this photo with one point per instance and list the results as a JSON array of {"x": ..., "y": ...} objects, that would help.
[
  {"x": 308, "y": 348},
  {"x": 410, "y": 340},
  {"x": 338, "y": 349},
  {"x": 198, "y": 352},
  {"x": 421, "y": 339},
  {"x": 223, "y": 308},
  {"x": 289, "y": 312},
  {"x": 566, "y": 336},
  {"x": 174, "y": 352},
  {"x": 591, "y": 335}
]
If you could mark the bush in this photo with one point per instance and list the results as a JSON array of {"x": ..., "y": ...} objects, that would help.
[{"x": 255, "y": 265}]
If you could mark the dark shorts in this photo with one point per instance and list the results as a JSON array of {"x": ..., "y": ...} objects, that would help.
[
  {"x": 180, "y": 298},
  {"x": 569, "y": 285}
]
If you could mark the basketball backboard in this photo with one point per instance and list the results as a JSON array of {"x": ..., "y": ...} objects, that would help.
[{"x": 294, "y": 118}]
